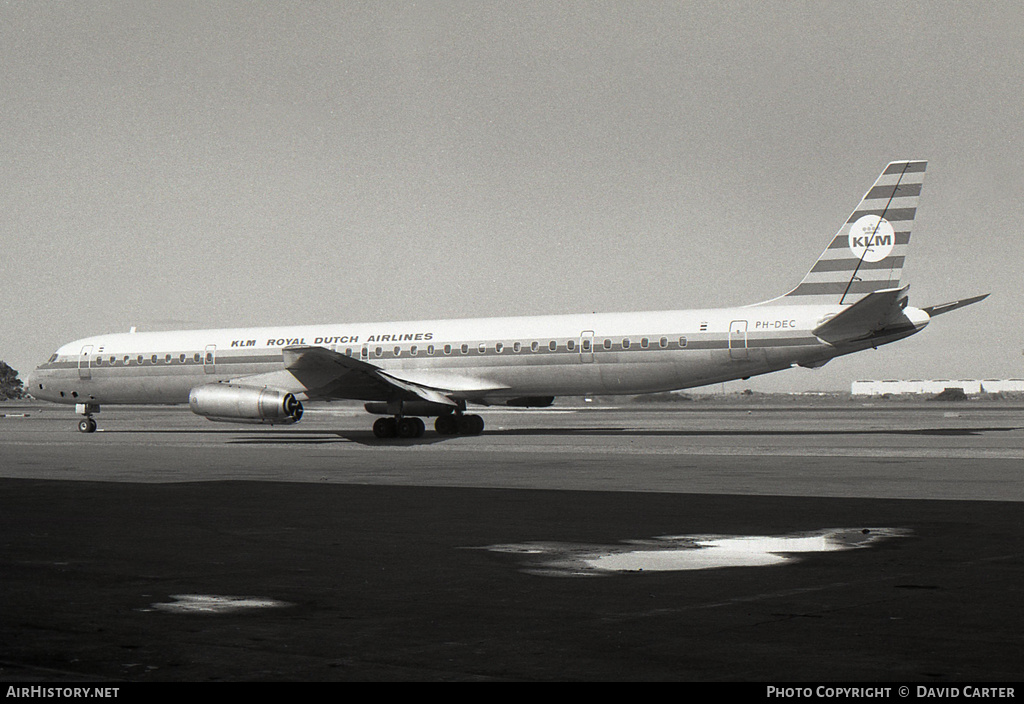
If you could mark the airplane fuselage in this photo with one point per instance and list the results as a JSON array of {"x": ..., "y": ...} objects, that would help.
[{"x": 486, "y": 360}]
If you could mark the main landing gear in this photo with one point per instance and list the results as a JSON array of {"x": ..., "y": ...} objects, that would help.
[
  {"x": 413, "y": 427},
  {"x": 402, "y": 427},
  {"x": 459, "y": 424}
]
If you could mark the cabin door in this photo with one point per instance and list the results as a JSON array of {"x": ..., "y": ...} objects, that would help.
[
  {"x": 587, "y": 346},
  {"x": 85, "y": 363}
]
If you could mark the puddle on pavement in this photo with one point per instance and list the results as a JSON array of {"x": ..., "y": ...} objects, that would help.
[
  {"x": 214, "y": 604},
  {"x": 688, "y": 552}
]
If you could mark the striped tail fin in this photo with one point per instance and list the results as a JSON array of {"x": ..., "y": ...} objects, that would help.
[{"x": 868, "y": 252}]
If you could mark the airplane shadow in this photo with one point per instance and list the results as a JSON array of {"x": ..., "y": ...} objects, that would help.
[
  {"x": 366, "y": 437},
  {"x": 290, "y": 436}
]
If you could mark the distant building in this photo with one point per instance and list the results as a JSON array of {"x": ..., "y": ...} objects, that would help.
[{"x": 935, "y": 386}]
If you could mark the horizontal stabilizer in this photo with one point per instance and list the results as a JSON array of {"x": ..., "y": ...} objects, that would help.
[
  {"x": 874, "y": 312},
  {"x": 932, "y": 311}
]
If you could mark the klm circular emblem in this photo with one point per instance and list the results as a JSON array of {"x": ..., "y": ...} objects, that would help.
[{"x": 872, "y": 238}]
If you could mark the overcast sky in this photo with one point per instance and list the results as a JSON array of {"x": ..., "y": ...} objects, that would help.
[{"x": 211, "y": 164}]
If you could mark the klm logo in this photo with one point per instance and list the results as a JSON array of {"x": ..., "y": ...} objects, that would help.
[
  {"x": 871, "y": 241},
  {"x": 871, "y": 238}
]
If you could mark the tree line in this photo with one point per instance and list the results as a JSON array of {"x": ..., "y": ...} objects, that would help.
[{"x": 10, "y": 385}]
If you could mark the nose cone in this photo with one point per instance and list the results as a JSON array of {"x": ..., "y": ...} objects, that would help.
[
  {"x": 36, "y": 378},
  {"x": 32, "y": 381}
]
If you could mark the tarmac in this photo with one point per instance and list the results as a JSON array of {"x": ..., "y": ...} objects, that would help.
[{"x": 743, "y": 542}]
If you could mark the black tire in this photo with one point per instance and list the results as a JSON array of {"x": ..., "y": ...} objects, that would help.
[
  {"x": 471, "y": 425},
  {"x": 410, "y": 427},
  {"x": 446, "y": 425},
  {"x": 385, "y": 427}
]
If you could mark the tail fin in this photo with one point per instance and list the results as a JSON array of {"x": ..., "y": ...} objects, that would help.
[{"x": 867, "y": 253}]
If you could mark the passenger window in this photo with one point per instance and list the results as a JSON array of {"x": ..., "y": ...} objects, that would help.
[
  {"x": 181, "y": 358},
  {"x": 414, "y": 350},
  {"x": 377, "y": 352},
  {"x": 139, "y": 359},
  {"x": 625, "y": 343},
  {"x": 644, "y": 342},
  {"x": 517, "y": 346},
  {"x": 663, "y": 342},
  {"x": 570, "y": 345},
  {"x": 498, "y": 347},
  {"x": 398, "y": 351},
  {"x": 196, "y": 357},
  {"x": 607, "y": 344},
  {"x": 464, "y": 348},
  {"x": 127, "y": 360},
  {"x": 534, "y": 346},
  {"x": 682, "y": 342},
  {"x": 447, "y": 349},
  {"x": 167, "y": 359},
  {"x": 430, "y": 349},
  {"x": 552, "y": 345},
  {"x": 482, "y": 348},
  {"x": 586, "y": 345},
  {"x": 152, "y": 360}
]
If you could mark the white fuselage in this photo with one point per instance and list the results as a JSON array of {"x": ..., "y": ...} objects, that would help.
[{"x": 486, "y": 360}]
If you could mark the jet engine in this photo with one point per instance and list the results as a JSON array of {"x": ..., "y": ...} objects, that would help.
[{"x": 245, "y": 404}]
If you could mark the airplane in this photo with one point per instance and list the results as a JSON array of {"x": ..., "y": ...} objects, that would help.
[{"x": 850, "y": 300}]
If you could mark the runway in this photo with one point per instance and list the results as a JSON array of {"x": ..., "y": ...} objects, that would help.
[{"x": 694, "y": 542}]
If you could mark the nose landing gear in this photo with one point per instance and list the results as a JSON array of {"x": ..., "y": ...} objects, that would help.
[{"x": 87, "y": 424}]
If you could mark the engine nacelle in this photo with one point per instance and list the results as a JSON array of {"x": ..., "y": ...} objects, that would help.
[{"x": 245, "y": 404}]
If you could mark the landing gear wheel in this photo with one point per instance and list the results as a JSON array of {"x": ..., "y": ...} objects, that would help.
[
  {"x": 410, "y": 427},
  {"x": 470, "y": 425},
  {"x": 87, "y": 425},
  {"x": 385, "y": 427},
  {"x": 446, "y": 425}
]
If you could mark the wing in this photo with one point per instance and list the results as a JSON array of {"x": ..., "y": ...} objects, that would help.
[
  {"x": 327, "y": 374},
  {"x": 316, "y": 372}
]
